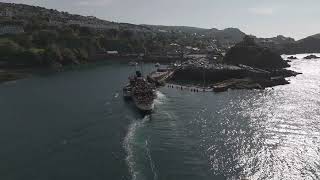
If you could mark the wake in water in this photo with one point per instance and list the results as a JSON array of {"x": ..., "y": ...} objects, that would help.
[
  {"x": 137, "y": 149},
  {"x": 161, "y": 98},
  {"x": 129, "y": 146},
  {"x": 152, "y": 164}
]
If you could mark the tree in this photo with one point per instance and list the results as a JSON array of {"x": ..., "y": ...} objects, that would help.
[
  {"x": 9, "y": 48},
  {"x": 86, "y": 31},
  {"x": 44, "y": 38},
  {"x": 24, "y": 40},
  {"x": 82, "y": 54},
  {"x": 113, "y": 33},
  {"x": 52, "y": 55},
  {"x": 126, "y": 34},
  {"x": 69, "y": 56}
]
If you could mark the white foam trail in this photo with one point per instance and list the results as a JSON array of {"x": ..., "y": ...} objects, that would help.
[
  {"x": 129, "y": 143},
  {"x": 160, "y": 95},
  {"x": 152, "y": 165},
  {"x": 161, "y": 98}
]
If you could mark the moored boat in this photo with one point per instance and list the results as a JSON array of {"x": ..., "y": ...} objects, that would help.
[{"x": 132, "y": 63}]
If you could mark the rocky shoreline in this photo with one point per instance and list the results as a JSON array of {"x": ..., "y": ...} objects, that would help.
[
  {"x": 246, "y": 66},
  {"x": 7, "y": 75},
  {"x": 221, "y": 77}
]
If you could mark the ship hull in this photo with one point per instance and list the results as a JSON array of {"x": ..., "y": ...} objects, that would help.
[
  {"x": 144, "y": 107},
  {"x": 126, "y": 95}
]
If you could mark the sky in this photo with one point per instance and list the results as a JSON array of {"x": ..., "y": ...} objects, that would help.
[{"x": 262, "y": 18}]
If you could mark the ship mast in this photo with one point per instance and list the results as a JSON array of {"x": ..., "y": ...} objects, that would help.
[{"x": 141, "y": 65}]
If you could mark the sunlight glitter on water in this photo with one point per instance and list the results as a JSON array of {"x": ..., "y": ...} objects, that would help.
[
  {"x": 288, "y": 120},
  {"x": 258, "y": 134}
]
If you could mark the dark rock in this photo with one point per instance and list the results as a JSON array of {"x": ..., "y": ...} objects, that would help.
[
  {"x": 311, "y": 57},
  {"x": 273, "y": 81},
  {"x": 218, "y": 73},
  {"x": 12, "y": 75},
  {"x": 247, "y": 66},
  {"x": 292, "y": 57},
  {"x": 283, "y": 73},
  {"x": 310, "y": 44},
  {"x": 249, "y": 53},
  {"x": 224, "y": 77}
]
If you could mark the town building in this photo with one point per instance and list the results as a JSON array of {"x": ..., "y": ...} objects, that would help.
[
  {"x": 6, "y": 13},
  {"x": 112, "y": 52},
  {"x": 11, "y": 29}
]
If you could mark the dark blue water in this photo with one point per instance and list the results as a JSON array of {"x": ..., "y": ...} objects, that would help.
[{"x": 75, "y": 125}]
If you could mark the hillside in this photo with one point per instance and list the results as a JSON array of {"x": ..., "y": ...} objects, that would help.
[
  {"x": 56, "y": 18},
  {"x": 226, "y": 36},
  {"x": 248, "y": 52},
  {"x": 316, "y": 36},
  {"x": 47, "y": 37},
  {"x": 36, "y": 36},
  {"x": 310, "y": 44}
]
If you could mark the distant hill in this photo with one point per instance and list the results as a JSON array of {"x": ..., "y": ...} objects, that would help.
[
  {"x": 316, "y": 36},
  {"x": 309, "y": 44},
  {"x": 25, "y": 13},
  {"x": 228, "y": 35},
  {"x": 248, "y": 52},
  {"x": 287, "y": 45},
  {"x": 184, "y": 29},
  {"x": 40, "y": 33}
]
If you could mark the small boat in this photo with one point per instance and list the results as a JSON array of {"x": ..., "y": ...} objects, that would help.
[
  {"x": 133, "y": 63},
  {"x": 157, "y": 65}
]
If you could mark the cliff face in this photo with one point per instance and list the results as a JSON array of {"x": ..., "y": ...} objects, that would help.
[{"x": 249, "y": 53}]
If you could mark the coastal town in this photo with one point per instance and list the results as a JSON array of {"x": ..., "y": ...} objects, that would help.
[
  {"x": 119, "y": 39},
  {"x": 76, "y": 39},
  {"x": 159, "y": 90},
  {"x": 243, "y": 67}
]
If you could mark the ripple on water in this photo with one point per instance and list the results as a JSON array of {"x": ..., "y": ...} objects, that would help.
[
  {"x": 137, "y": 146},
  {"x": 269, "y": 134},
  {"x": 129, "y": 145}
]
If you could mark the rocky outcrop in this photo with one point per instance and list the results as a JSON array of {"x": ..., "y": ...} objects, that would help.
[
  {"x": 221, "y": 77},
  {"x": 216, "y": 73},
  {"x": 248, "y": 83},
  {"x": 11, "y": 75},
  {"x": 311, "y": 57},
  {"x": 292, "y": 57},
  {"x": 248, "y": 67},
  {"x": 309, "y": 44},
  {"x": 249, "y": 53}
]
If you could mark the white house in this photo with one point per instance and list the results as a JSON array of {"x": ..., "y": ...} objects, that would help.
[
  {"x": 6, "y": 13},
  {"x": 112, "y": 52},
  {"x": 11, "y": 29}
]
